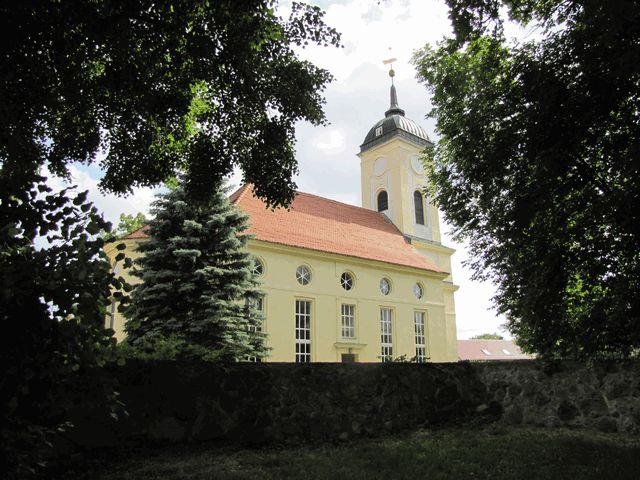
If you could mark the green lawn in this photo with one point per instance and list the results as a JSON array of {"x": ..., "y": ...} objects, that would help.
[{"x": 493, "y": 453}]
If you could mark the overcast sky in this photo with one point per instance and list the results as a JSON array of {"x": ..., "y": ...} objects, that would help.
[{"x": 356, "y": 100}]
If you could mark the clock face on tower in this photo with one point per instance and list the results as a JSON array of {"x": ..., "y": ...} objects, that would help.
[
  {"x": 379, "y": 166},
  {"x": 416, "y": 164}
]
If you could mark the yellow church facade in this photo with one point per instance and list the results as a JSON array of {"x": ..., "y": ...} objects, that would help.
[{"x": 342, "y": 283}]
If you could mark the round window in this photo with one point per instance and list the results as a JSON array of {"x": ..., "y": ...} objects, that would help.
[
  {"x": 258, "y": 267},
  {"x": 303, "y": 275},
  {"x": 418, "y": 291},
  {"x": 385, "y": 286},
  {"x": 346, "y": 280}
]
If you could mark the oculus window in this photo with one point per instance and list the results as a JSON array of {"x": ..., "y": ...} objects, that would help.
[
  {"x": 385, "y": 286},
  {"x": 303, "y": 275},
  {"x": 346, "y": 281},
  {"x": 258, "y": 267}
]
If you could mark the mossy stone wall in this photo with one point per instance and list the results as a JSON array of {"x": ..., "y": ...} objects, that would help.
[{"x": 267, "y": 403}]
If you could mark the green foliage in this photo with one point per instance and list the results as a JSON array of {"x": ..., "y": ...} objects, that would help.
[
  {"x": 538, "y": 166},
  {"x": 129, "y": 223},
  {"x": 52, "y": 307},
  {"x": 162, "y": 87},
  {"x": 196, "y": 283},
  {"x": 487, "y": 336}
]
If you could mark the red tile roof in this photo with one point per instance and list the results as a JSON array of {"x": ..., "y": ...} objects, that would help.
[
  {"x": 140, "y": 233},
  {"x": 473, "y": 350},
  {"x": 325, "y": 225}
]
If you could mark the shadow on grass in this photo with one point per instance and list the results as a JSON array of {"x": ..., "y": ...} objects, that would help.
[{"x": 455, "y": 453}]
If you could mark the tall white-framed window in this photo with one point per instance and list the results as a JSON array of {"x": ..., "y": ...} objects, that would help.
[
  {"x": 114, "y": 304},
  {"x": 421, "y": 349},
  {"x": 303, "y": 331},
  {"x": 256, "y": 303},
  {"x": 348, "y": 320},
  {"x": 386, "y": 334}
]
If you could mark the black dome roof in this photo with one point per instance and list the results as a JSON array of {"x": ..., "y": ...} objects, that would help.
[{"x": 394, "y": 124}]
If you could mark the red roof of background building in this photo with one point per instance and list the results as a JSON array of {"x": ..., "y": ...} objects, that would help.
[
  {"x": 140, "y": 233},
  {"x": 475, "y": 350},
  {"x": 325, "y": 225}
]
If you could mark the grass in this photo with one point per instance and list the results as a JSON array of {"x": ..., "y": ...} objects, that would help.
[{"x": 453, "y": 454}]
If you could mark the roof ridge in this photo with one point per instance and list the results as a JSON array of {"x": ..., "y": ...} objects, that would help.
[
  {"x": 341, "y": 203},
  {"x": 379, "y": 214},
  {"x": 239, "y": 193}
]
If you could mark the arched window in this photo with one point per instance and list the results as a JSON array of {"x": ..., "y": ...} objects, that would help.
[
  {"x": 419, "y": 205},
  {"x": 383, "y": 201}
]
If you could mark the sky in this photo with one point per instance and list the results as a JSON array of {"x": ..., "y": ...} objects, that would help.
[{"x": 371, "y": 32}]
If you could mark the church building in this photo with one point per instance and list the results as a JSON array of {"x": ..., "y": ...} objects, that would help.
[{"x": 343, "y": 283}]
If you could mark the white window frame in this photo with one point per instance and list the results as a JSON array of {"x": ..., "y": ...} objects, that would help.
[
  {"x": 348, "y": 320},
  {"x": 347, "y": 279},
  {"x": 303, "y": 275},
  {"x": 258, "y": 267},
  {"x": 258, "y": 304},
  {"x": 419, "y": 320},
  {"x": 385, "y": 281},
  {"x": 386, "y": 334},
  {"x": 303, "y": 320}
]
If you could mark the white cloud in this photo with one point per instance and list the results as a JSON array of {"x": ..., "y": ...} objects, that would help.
[
  {"x": 110, "y": 205},
  {"x": 330, "y": 140}
]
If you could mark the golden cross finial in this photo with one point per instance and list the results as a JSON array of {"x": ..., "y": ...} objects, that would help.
[{"x": 389, "y": 61}]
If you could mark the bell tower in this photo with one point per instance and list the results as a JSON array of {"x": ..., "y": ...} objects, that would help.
[
  {"x": 392, "y": 175},
  {"x": 393, "y": 183}
]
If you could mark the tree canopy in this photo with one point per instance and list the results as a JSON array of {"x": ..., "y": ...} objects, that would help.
[
  {"x": 148, "y": 90},
  {"x": 53, "y": 301},
  {"x": 161, "y": 87},
  {"x": 538, "y": 165},
  {"x": 128, "y": 223},
  {"x": 196, "y": 280},
  {"x": 487, "y": 336}
]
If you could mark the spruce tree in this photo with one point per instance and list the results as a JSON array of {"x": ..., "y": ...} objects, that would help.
[{"x": 197, "y": 285}]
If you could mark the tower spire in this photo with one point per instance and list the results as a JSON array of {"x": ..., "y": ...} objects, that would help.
[{"x": 394, "y": 109}]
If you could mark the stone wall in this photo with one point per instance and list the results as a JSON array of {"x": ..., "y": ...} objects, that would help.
[
  {"x": 265, "y": 403},
  {"x": 603, "y": 396}
]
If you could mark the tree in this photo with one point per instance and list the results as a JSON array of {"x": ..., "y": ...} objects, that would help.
[
  {"x": 53, "y": 301},
  {"x": 162, "y": 87},
  {"x": 538, "y": 165},
  {"x": 129, "y": 223},
  {"x": 195, "y": 280},
  {"x": 487, "y": 336}
]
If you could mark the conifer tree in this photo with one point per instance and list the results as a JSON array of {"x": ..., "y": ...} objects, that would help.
[{"x": 197, "y": 285}]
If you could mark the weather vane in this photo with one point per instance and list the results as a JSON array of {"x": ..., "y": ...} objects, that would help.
[{"x": 389, "y": 61}]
